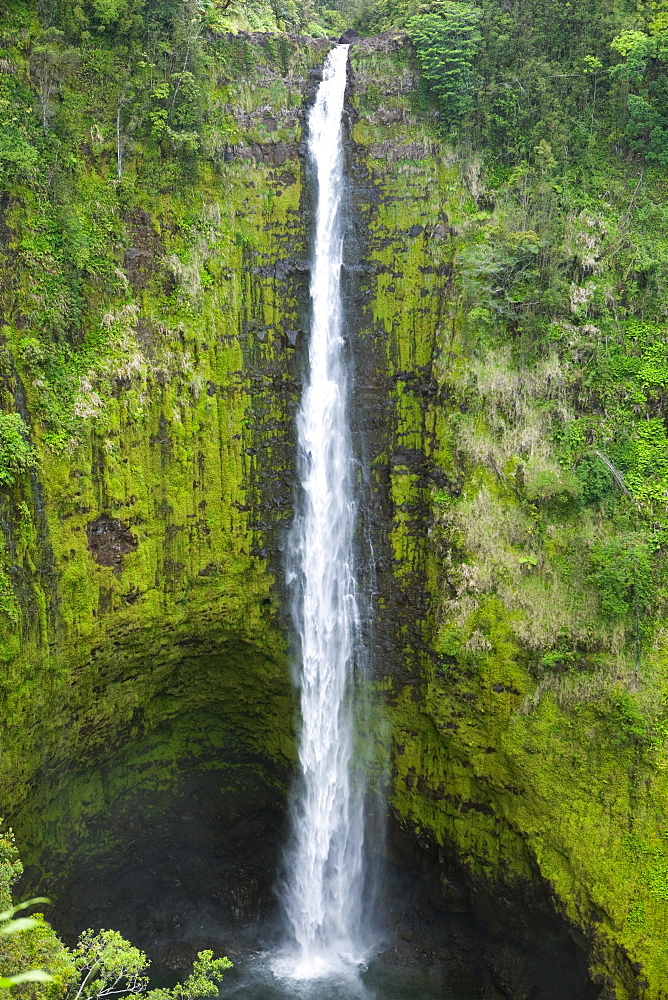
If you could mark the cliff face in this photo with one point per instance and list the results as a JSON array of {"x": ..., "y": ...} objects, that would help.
[
  {"x": 145, "y": 677},
  {"x": 146, "y": 689},
  {"x": 527, "y": 738}
]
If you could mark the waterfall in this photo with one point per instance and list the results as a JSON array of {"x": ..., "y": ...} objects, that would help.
[{"x": 322, "y": 895}]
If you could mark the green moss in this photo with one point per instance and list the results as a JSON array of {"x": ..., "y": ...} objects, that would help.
[
  {"x": 530, "y": 745},
  {"x": 146, "y": 345},
  {"x": 147, "y": 395}
]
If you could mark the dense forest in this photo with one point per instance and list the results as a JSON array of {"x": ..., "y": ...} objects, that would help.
[{"x": 543, "y": 515}]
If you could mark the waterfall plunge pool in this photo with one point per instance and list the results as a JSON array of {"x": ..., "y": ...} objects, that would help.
[{"x": 255, "y": 980}]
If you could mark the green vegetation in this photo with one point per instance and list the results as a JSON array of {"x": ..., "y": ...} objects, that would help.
[
  {"x": 14, "y": 932},
  {"x": 445, "y": 42},
  {"x": 102, "y": 963},
  {"x": 106, "y": 964},
  {"x": 125, "y": 302},
  {"x": 16, "y": 453},
  {"x": 33, "y": 962},
  {"x": 9, "y": 924},
  {"x": 515, "y": 273},
  {"x": 544, "y": 724}
]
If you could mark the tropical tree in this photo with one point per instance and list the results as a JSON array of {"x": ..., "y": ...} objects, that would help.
[{"x": 446, "y": 40}]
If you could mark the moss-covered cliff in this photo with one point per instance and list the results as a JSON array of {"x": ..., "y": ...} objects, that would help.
[
  {"x": 507, "y": 329},
  {"x": 140, "y": 636},
  {"x": 521, "y": 473}
]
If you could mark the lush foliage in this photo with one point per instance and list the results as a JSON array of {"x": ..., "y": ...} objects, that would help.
[
  {"x": 642, "y": 68},
  {"x": 202, "y": 982},
  {"x": 11, "y": 924},
  {"x": 11, "y": 867},
  {"x": 550, "y": 369},
  {"x": 102, "y": 964},
  {"x": 33, "y": 962},
  {"x": 107, "y": 965},
  {"x": 11, "y": 950},
  {"x": 16, "y": 453},
  {"x": 570, "y": 76},
  {"x": 446, "y": 41}
]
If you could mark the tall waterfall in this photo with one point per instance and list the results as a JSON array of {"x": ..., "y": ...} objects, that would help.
[{"x": 322, "y": 895}]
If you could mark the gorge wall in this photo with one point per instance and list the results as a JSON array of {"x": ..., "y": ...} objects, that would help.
[{"x": 146, "y": 683}]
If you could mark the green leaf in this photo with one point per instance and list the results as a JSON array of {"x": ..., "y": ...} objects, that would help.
[
  {"x": 33, "y": 976},
  {"x": 22, "y": 924},
  {"x": 8, "y": 914}
]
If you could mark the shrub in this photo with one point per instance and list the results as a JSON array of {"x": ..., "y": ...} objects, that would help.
[
  {"x": 16, "y": 453},
  {"x": 630, "y": 725},
  {"x": 594, "y": 478},
  {"x": 545, "y": 482},
  {"x": 622, "y": 574}
]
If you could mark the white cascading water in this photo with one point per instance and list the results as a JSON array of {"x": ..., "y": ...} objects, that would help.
[{"x": 322, "y": 895}]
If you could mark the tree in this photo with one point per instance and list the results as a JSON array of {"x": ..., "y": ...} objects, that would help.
[
  {"x": 109, "y": 966},
  {"x": 30, "y": 944},
  {"x": 11, "y": 867},
  {"x": 446, "y": 41},
  {"x": 106, "y": 965},
  {"x": 103, "y": 964},
  {"x": 50, "y": 62},
  {"x": 27, "y": 943},
  {"x": 202, "y": 982},
  {"x": 644, "y": 57}
]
